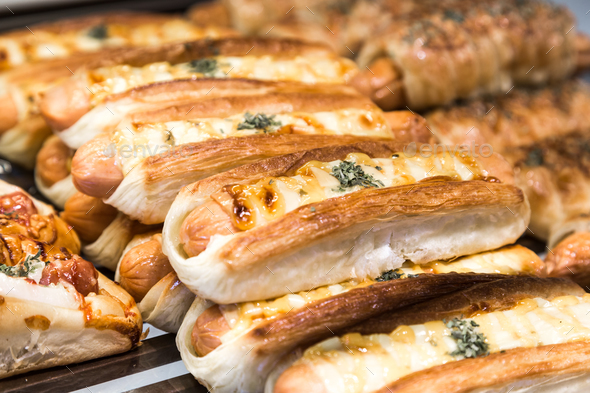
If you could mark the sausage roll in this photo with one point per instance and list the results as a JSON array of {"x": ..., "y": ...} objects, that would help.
[
  {"x": 350, "y": 211},
  {"x": 56, "y": 308},
  {"x": 23, "y": 129},
  {"x": 140, "y": 167},
  {"x": 146, "y": 274},
  {"x": 426, "y": 53},
  {"x": 233, "y": 348},
  {"x": 266, "y": 59},
  {"x": 522, "y": 117},
  {"x": 544, "y": 134},
  {"x": 553, "y": 173},
  {"x": 104, "y": 231},
  {"x": 518, "y": 334},
  {"x": 91, "y": 33}
]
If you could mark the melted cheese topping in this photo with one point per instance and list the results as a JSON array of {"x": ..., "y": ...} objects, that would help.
[
  {"x": 41, "y": 44},
  {"x": 355, "y": 363},
  {"x": 26, "y": 288},
  {"x": 246, "y": 316},
  {"x": 330, "y": 69},
  {"x": 256, "y": 204},
  {"x": 134, "y": 143}
]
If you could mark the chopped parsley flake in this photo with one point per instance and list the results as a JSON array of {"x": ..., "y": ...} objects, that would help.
[
  {"x": 271, "y": 181},
  {"x": 207, "y": 67},
  {"x": 312, "y": 209},
  {"x": 302, "y": 192},
  {"x": 390, "y": 275},
  {"x": 534, "y": 158},
  {"x": 378, "y": 168},
  {"x": 350, "y": 174},
  {"x": 470, "y": 344},
  {"x": 100, "y": 32},
  {"x": 259, "y": 121},
  {"x": 22, "y": 269}
]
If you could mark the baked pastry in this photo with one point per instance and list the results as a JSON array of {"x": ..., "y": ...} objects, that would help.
[
  {"x": 22, "y": 128},
  {"x": 522, "y": 117},
  {"x": 250, "y": 58},
  {"x": 428, "y": 53},
  {"x": 553, "y": 174},
  {"x": 57, "y": 308},
  {"x": 234, "y": 347},
  {"x": 104, "y": 231},
  {"x": 68, "y": 37},
  {"x": 519, "y": 334},
  {"x": 146, "y": 274},
  {"x": 349, "y": 211},
  {"x": 140, "y": 167}
]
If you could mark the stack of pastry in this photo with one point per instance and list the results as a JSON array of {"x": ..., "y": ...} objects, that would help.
[{"x": 270, "y": 200}]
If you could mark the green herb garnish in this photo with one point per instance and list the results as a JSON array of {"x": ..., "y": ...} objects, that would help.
[
  {"x": 534, "y": 158},
  {"x": 207, "y": 67},
  {"x": 390, "y": 275},
  {"x": 100, "y": 32},
  {"x": 378, "y": 168},
  {"x": 470, "y": 344},
  {"x": 312, "y": 209},
  {"x": 350, "y": 174},
  {"x": 302, "y": 192},
  {"x": 22, "y": 269},
  {"x": 271, "y": 181},
  {"x": 454, "y": 15},
  {"x": 259, "y": 121}
]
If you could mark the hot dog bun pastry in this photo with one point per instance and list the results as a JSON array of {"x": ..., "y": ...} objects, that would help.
[
  {"x": 104, "y": 231},
  {"x": 91, "y": 33},
  {"x": 22, "y": 128},
  {"x": 234, "y": 347},
  {"x": 344, "y": 203},
  {"x": 57, "y": 308},
  {"x": 266, "y": 59},
  {"x": 151, "y": 155},
  {"x": 145, "y": 273},
  {"x": 429, "y": 53},
  {"x": 553, "y": 172},
  {"x": 532, "y": 335}
]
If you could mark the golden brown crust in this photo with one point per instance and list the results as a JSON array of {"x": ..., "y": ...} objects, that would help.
[
  {"x": 210, "y": 13},
  {"x": 318, "y": 221},
  {"x": 272, "y": 103},
  {"x": 571, "y": 259},
  {"x": 53, "y": 161},
  {"x": 213, "y": 86},
  {"x": 485, "y": 297},
  {"x": 308, "y": 324},
  {"x": 583, "y": 52},
  {"x": 90, "y": 216},
  {"x": 9, "y": 113},
  {"x": 84, "y": 22},
  {"x": 520, "y": 118},
  {"x": 511, "y": 366}
]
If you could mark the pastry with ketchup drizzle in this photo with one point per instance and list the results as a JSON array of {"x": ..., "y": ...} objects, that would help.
[{"x": 57, "y": 309}]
